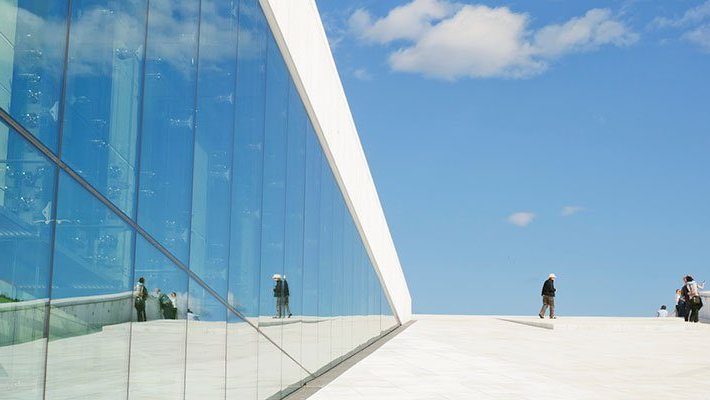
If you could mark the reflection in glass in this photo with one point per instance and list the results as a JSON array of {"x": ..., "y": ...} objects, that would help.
[
  {"x": 27, "y": 187},
  {"x": 294, "y": 237},
  {"x": 271, "y": 310},
  {"x": 269, "y": 365},
  {"x": 157, "y": 366},
  {"x": 32, "y": 45},
  {"x": 242, "y": 347},
  {"x": 311, "y": 233},
  {"x": 206, "y": 345},
  {"x": 325, "y": 265},
  {"x": 349, "y": 239},
  {"x": 102, "y": 95},
  {"x": 89, "y": 322},
  {"x": 248, "y": 154},
  {"x": 375, "y": 328},
  {"x": 168, "y": 123},
  {"x": 274, "y": 190},
  {"x": 212, "y": 171},
  {"x": 336, "y": 273},
  {"x": 361, "y": 299}
]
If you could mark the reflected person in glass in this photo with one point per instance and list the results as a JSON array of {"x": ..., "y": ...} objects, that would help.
[
  {"x": 173, "y": 306},
  {"x": 279, "y": 292},
  {"x": 165, "y": 304},
  {"x": 140, "y": 294},
  {"x": 284, "y": 296}
]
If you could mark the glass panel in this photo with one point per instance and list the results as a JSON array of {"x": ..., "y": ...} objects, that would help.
[
  {"x": 375, "y": 299},
  {"x": 274, "y": 191},
  {"x": 292, "y": 375},
  {"x": 293, "y": 258},
  {"x": 388, "y": 320},
  {"x": 158, "y": 339},
  {"x": 311, "y": 255},
  {"x": 212, "y": 171},
  {"x": 91, "y": 298},
  {"x": 102, "y": 99},
  {"x": 269, "y": 365},
  {"x": 242, "y": 347},
  {"x": 27, "y": 182},
  {"x": 336, "y": 267},
  {"x": 361, "y": 282},
  {"x": 325, "y": 271},
  {"x": 206, "y": 345},
  {"x": 32, "y": 45},
  {"x": 349, "y": 240},
  {"x": 168, "y": 123},
  {"x": 272, "y": 308},
  {"x": 245, "y": 241}
]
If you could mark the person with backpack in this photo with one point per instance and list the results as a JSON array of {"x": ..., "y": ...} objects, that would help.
[
  {"x": 140, "y": 294},
  {"x": 685, "y": 298},
  {"x": 695, "y": 302},
  {"x": 165, "y": 304}
]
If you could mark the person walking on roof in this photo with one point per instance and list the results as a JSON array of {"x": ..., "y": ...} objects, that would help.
[{"x": 548, "y": 297}]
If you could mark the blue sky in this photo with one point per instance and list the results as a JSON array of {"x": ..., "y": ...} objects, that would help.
[{"x": 513, "y": 139}]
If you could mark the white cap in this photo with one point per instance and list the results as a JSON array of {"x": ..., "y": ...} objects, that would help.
[
  {"x": 552, "y": 276},
  {"x": 276, "y": 276}
]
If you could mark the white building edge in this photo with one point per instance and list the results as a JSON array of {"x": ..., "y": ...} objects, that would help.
[{"x": 300, "y": 34}]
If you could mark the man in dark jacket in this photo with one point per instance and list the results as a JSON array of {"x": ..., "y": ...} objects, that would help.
[
  {"x": 278, "y": 295},
  {"x": 548, "y": 297},
  {"x": 285, "y": 293}
]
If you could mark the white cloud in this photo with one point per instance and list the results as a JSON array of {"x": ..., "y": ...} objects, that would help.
[
  {"x": 695, "y": 23},
  {"x": 595, "y": 29},
  {"x": 476, "y": 42},
  {"x": 700, "y": 36},
  {"x": 521, "y": 219},
  {"x": 449, "y": 41},
  {"x": 408, "y": 21},
  {"x": 571, "y": 210},
  {"x": 692, "y": 16},
  {"x": 362, "y": 74}
]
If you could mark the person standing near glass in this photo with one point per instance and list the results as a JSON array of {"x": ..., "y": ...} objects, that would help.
[
  {"x": 278, "y": 295},
  {"x": 165, "y": 304},
  {"x": 284, "y": 294},
  {"x": 173, "y": 306},
  {"x": 140, "y": 294}
]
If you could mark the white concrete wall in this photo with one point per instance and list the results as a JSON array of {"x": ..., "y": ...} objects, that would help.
[
  {"x": 705, "y": 311},
  {"x": 24, "y": 321},
  {"x": 300, "y": 34}
]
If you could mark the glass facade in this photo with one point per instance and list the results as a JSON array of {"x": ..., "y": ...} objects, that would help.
[{"x": 170, "y": 226}]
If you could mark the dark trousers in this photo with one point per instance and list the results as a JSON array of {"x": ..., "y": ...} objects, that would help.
[
  {"x": 681, "y": 311},
  {"x": 141, "y": 313},
  {"x": 694, "y": 312}
]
